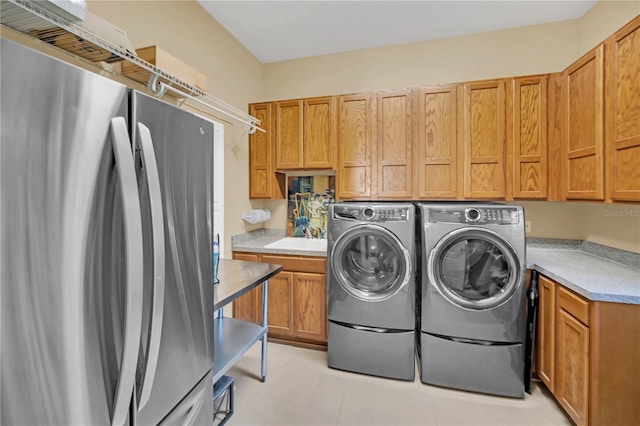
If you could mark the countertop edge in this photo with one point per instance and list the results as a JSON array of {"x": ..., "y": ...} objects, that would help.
[
  {"x": 244, "y": 287},
  {"x": 592, "y": 296}
]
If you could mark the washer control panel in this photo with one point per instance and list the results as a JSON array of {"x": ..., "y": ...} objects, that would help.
[
  {"x": 373, "y": 213},
  {"x": 502, "y": 215}
]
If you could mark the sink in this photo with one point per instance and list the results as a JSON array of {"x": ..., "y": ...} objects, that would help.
[{"x": 291, "y": 243}]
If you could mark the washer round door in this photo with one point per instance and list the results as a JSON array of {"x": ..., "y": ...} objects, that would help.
[
  {"x": 474, "y": 268},
  {"x": 370, "y": 263}
]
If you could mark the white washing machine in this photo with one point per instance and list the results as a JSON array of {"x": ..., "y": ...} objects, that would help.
[
  {"x": 371, "y": 281},
  {"x": 472, "y": 297}
]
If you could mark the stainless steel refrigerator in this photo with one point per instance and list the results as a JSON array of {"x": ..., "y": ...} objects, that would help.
[{"x": 106, "y": 233}]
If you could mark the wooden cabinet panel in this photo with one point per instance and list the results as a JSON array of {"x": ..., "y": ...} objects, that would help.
[
  {"x": 279, "y": 304},
  {"x": 546, "y": 352},
  {"x": 297, "y": 263},
  {"x": 572, "y": 385},
  {"x": 555, "y": 134},
  {"x": 527, "y": 144},
  {"x": 436, "y": 143},
  {"x": 483, "y": 139},
  {"x": 249, "y": 306},
  {"x": 583, "y": 103},
  {"x": 263, "y": 181},
  {"x": 260, "y": 164},
  {"x": 356, "y": 134},
  {"x": 394, "y": 144},
  {"x": 319, "y": 133},
  {"x": 310, "y": 306},
  {"x": 615, "y": 351},
  {"x": 289, "y": 132},
  {"x": 574, "y": 305},
  {"x": 622, "y": 130}
]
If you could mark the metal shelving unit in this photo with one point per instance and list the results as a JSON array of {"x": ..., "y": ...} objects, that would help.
[{"x": 26, "y": 16}]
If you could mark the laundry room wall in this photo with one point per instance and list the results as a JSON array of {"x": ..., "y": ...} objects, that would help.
[{"x": 520, "y": 51}]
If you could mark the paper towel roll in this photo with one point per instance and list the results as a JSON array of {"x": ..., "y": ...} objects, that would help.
[{"x": 256, "y": 216}]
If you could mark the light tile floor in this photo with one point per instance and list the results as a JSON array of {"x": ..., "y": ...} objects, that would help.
[{"x": 301, "y": 390}]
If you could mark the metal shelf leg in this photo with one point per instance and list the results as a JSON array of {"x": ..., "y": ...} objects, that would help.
[{"x": 265, "y": 324}]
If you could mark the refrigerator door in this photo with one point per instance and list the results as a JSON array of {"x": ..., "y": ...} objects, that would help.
[
  {"x": 71, "y": 245},
  {"x": 183, "y": 149}
]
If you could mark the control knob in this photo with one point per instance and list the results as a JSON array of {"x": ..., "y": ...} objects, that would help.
[
  {"x": 368, "y": 213},
  {"x": 472, "y": 214}
]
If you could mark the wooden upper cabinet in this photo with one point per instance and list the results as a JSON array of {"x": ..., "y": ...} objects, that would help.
[
  {"x": 305, "y": 134},
  {"x": 555, "y": 135},
  {"x": 289, "y": 134},
  {"x": 319, "y": 137},
  {"x": 583, "y": 103},
  {"x": 436, "y": 143},
  {"x": 482, "y": 119},
  {"x": 394, "y": 144},
  {"x": 622, "y": 103},
  {"x": 527, "y": 138},
  {"x": 263, "y": 181},
  {"x": 356, "y": 133}
]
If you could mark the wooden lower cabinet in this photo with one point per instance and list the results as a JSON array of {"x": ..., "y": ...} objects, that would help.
[
  {"x": 587, "y": 355},
  {"x": 249, "y": 306},
  {"x": 546, "y": 344},
  {"x": 297, "y": 300},
  {"x": 279, "y": 316},
  {"x": 310, "y": 307},
  {"x": 572, "y": 390}
]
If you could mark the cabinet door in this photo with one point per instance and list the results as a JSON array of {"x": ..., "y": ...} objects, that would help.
[
  {"x": 546, "y": 331},
  {"x": 248, "y": 307},
  {"x": 319, "y": 133},
  {"x": 483, "y": 135},
  {"x": 555, "y": 136},
  {"x": 583, "y": 96},
  {"x": 622, "y": 130},
  {"x": 527, "y": 134},
  {"x": 263, "y": 182},
  {"x": 279, "y": 313},
  {"x": 260, "y": 163},
  {"x": 572, "y": 362},
  {"x": 355, "y": 141},
  {"x": 394, "y": 147},
  {"x": 289, "y": 135},
  {"x": 310, "y": 306},
  {"x": 436, "y": 143}
]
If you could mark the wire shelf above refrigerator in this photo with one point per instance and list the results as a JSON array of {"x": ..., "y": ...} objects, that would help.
[{"x": 30, "y": 18}]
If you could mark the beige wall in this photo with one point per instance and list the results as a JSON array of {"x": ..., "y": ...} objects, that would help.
[
  {"x": 529, "y": 50},
  {"x": 604, "y": 19}
]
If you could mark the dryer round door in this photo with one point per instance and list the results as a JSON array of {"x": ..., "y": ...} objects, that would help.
[
  {"x": 370, "y": 263},
  {"x": 474, "y": 268}
]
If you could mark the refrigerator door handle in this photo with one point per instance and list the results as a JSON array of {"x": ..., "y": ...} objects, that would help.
[
  {"x": 157, "y": 229},
  {"x": 195, "y": 408},
  {"x": 134, "y": 256}
]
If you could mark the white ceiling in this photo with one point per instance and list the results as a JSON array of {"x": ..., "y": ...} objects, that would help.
[{"x": 281, "y": 30}]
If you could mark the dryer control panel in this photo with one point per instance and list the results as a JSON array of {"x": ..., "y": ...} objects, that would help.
[
  {"x": 476, "y": 215},
  {"x": 373, "y": 213}
]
